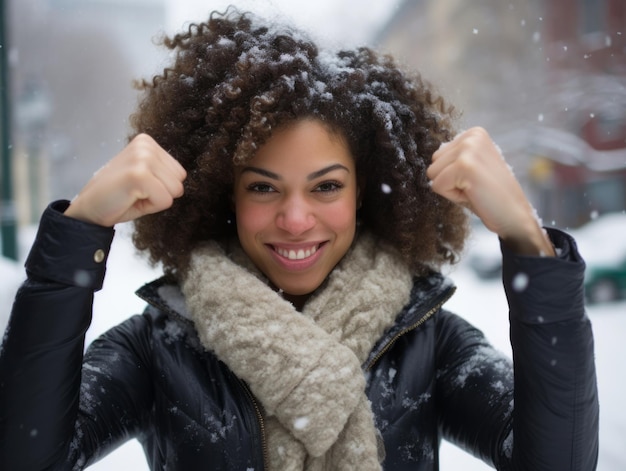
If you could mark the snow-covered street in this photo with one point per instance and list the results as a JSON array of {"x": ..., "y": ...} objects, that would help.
[{"x": 481, "y": 302}]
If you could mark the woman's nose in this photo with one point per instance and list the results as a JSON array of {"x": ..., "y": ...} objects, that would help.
[{"x": 295, "y": 216}]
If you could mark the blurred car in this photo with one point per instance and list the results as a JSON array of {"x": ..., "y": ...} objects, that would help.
[
  {"x": 601, "y": 242},
  {"x": 483, "y": 253},
  {"x": 606, "y": 283}
]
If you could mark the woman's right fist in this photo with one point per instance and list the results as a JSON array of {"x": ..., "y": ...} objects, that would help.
[{"x": 142, "y": 179}]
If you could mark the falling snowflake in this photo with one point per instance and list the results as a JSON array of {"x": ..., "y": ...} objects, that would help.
[{"x": 520, "y": 282}]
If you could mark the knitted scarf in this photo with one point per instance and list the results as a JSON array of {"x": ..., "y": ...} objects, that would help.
[{"x": 304, "y": 368}]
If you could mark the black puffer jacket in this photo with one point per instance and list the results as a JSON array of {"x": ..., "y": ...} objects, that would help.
[{"x": 433, "y": 376}]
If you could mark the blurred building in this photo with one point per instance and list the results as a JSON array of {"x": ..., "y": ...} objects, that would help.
[
  {"x": 72, "y": 66},
  {"x": 579, "y": 169},
  {"x": 546, "y": 78},
  {"x": 483, "y": 55}
]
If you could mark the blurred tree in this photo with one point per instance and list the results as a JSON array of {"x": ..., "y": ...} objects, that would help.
[{"x": 75, "y": 63}]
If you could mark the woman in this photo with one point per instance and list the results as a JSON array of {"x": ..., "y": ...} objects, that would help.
[{"x": 301, "y": 204}]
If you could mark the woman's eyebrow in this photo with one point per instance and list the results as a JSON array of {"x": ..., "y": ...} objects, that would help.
[
  {"x": 325, "y": 170},
  {"x": 261, "y": 171},
  {"x": 311, "y": 176}
]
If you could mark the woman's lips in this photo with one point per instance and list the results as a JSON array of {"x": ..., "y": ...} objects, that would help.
[
  {"x": 297, "y": 258},
  {"x": 296, "y": 254}
]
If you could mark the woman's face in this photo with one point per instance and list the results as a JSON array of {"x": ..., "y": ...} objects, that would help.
[{"x": 295, "y": 203}]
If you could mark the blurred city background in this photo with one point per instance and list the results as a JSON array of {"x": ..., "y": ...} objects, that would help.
[{"x": 547, "y": 78}]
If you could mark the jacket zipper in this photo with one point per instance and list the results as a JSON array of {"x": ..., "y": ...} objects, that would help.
[
  {"x": 261, "y": 422},
  {"x": 408, "y": 329}
]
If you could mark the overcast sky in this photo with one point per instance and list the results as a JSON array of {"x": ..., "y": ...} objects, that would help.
[{"x": 348, "y": 22}]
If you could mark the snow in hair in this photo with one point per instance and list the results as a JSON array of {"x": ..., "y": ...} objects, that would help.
[{"x": 236, "y": 78}]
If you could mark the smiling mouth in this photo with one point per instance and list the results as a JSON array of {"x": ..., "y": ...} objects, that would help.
[{"x": 299, "y": 254}]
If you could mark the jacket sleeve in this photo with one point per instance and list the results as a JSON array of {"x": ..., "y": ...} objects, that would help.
[
  {"x": 544, "y": 416},
  {"x": 53, "y": 413}
]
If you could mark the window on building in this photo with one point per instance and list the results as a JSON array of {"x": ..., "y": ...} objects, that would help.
[
  {"x": 607, "y": 194},
  {"x": 592, "y": 16}
]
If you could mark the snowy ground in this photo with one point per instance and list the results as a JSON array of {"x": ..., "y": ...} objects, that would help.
[{"x": 481, "y": 302}]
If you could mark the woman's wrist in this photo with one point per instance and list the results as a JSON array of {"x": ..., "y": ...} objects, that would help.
[{"x": 532, "y": 242}]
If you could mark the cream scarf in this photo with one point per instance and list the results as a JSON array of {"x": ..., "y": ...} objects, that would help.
[{"x": 304, "y": 368}]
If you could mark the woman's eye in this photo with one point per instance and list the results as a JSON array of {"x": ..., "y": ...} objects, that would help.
[
  {"x": 260, "y": 188},
  {"x": 328, "y": 187}
]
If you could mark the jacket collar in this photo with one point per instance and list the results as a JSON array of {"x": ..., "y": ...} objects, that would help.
[
  {"x": 428, "y": 294},
  {"x": 165, "y": 295}
]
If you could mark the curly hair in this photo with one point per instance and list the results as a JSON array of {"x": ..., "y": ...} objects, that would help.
[{"x": 235, "y": 79}]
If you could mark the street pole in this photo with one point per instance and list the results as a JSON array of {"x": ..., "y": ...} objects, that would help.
[{"x": 7, "y": 206}]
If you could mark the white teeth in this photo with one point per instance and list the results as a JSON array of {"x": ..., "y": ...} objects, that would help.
[{"x": 296, "y": 255}]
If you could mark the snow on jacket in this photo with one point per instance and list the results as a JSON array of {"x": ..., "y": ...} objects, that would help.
[{"x": 431, "y": 376}]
